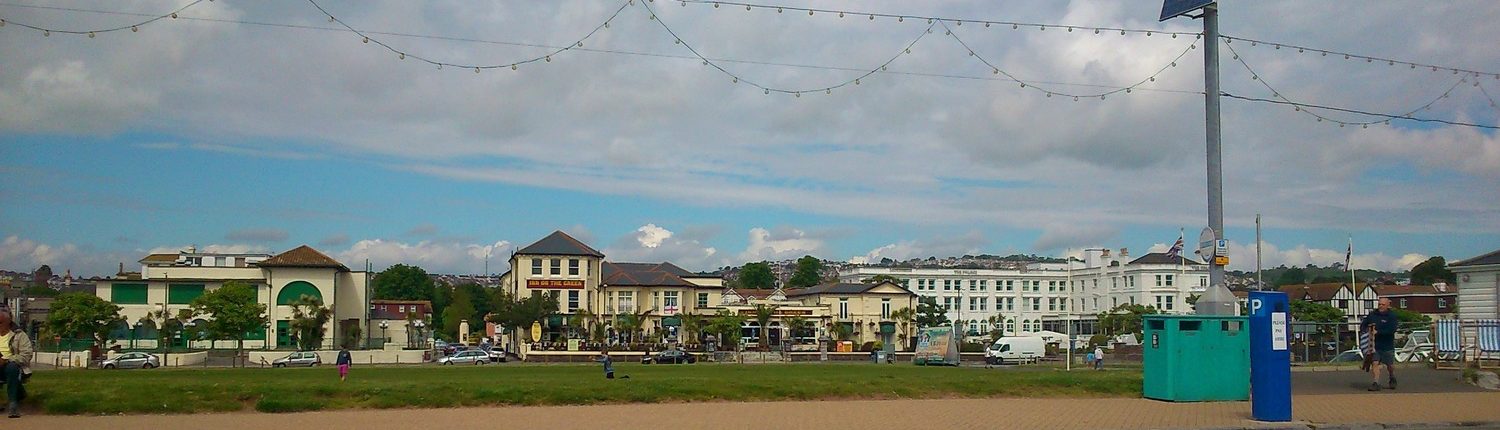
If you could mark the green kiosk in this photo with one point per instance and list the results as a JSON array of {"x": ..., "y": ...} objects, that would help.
[{"x": 1196, "y": 358}]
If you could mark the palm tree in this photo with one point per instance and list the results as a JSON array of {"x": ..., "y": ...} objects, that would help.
[
  {"x": 763, "y": 316},
  {"x": 904, "y": 316},
  {"x": 996, "y": 321},
  {"x": 795, "y": 324},
  {"x": 691, "y": 325}
]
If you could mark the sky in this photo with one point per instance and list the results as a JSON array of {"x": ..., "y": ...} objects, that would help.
[{"x": 259, "y": 126}]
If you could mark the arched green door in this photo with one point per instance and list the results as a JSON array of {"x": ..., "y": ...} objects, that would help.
[{"x": 294, "y": 290}]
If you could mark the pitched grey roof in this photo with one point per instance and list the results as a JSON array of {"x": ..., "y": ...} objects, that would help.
[
  {"x": 1163, "y": 258},
  {"x": 559, "y": 243},
  {"x": 839, "y": 288},
  {"x": 645, "y": 275},
  {"x": 1491, "y": 258}
]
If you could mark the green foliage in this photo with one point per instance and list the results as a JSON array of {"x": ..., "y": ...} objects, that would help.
[
  {"x": 1408, "y": 317},
  {"x": 809, "y": 272},
  {"x": 726, "y": 326},
  {"x": 1125, "y": 319},
  {"x": 757, "y": 276},
  {"x": 479, "y": 296},
  {"x": 351, "y": 336},
  {"x": 442, "y": 296},
  {"x": 883, "y": 278},
  {"x": 171, "y": 324},
  {"x": 80, "y": 315},
  {"x": 39, "y": 291},
  {"x": 763, "y": 315},
  {"x": 402, "y": 282},
  {"x": 996, "y": 323},
  {"x": 461, "y": 309},
  {"x": 1305, "y": 311},
  {"x": 842, "y": 331},
  {"x": 309, "y": 318},
  {"x": 930, "y": 314},
  {"x": 1433, "y": 270},
  {"x": 233, "y": 310},
  {"x": 1293, "y": 276},
  {"x": 512, "y": 313}
]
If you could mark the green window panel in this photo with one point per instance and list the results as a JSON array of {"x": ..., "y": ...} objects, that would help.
[
  {"x": 128, "y": 294},
  {"x": 182, "y": 294},
  {"x": 295, "y": 290}
]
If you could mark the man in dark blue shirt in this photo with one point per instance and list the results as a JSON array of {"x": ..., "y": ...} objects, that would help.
[{"x": 1382, "y": 325}]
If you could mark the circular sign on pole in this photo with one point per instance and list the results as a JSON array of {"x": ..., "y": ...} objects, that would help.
[
  {"x": 1206, "y": 243},
  {"x": 536, "y": 331}
]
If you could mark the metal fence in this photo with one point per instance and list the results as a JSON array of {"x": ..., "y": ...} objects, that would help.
[{"x": 1338, "y": 342}]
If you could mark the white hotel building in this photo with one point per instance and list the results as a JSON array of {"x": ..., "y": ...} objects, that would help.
[{"x": 1042, "y": 296}]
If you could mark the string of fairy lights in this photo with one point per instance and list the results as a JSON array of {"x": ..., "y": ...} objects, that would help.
[{"x": 947, "y": 24}]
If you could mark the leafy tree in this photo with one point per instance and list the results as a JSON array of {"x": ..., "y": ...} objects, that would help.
[
  {"x": 83, "y": 316},
  {"x": 1433, "y": 270},
  {"x": 403, "y": 282},
  {"x": 930, "y": 314},
  {"x": 479, "y": 296},
  {"x": 1305, "y": 311},
  {"x": 40, "y": 291},
  {"x": 763, "y": 315},
  {"x": 172, "y": 323},
  {"x": 442, "y": 296},
  {"x": 234, "y": 312},
  {"x": 905, "y": 317},
  {"x": 308, "y": 320},
  {"x": 995, "y": 322},
  {"x": 461, "y": 309},
  {"x": 1125, "y": 318},
  {"x": 1292, "y": 276},
  {"x": 883, "y": 278},
  {"x": 515, "y": 315},
  {"x": 1408, "y": 317},
  {"x": 726, "y": 326},
  {"x": 842, "y": 331},
  {"x": 1193, "y": 299},
  {"x": 809, "y": 272},
  {"x": 757, "y": 276}
]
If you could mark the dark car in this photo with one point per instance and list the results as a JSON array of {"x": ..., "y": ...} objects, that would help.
[{"x": 672, "y": 356}]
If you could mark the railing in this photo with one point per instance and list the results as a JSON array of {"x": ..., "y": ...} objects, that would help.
[{"x": 1333, "y": 343}]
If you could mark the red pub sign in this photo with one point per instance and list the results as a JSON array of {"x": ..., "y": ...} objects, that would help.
[{"x": 569, "y": 284}]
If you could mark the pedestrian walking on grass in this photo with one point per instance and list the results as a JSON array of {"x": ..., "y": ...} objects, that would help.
[
  {"x": 609, "y": 366},
  {"x": 1098, "y": 358},
  {"x": 344, "y": 360},
  {"x": 1382, "y": 324}
]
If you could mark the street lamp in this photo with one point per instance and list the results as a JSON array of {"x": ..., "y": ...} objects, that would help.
[
  {"x": 265, "y": 344},
  {"x": 421, "y": 334},
  {"x": 384, "y": 339},
  {"x": 133, "y": 333},
  {"x": 185, "y": 339}
]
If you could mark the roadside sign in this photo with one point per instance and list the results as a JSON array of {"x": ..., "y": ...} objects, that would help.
[
  {"x": 1206, "y": 243},
  {"x": 536, "y": 331},
  {"x": 1175, "y": 8},
  {"x": 1221, "y": 260},
  {"x": 1221, "y": 248}
]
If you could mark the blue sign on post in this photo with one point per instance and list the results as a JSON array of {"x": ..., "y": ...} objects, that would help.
[
  {"x": 1174, "y": 8},
  {"x": 1270, "y": 359}
]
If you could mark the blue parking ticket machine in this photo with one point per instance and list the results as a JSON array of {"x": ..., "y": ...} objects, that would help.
[{"x": 1270, "y": 359}]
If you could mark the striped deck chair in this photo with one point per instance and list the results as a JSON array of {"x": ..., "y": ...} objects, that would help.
[
  {"x": 1449, "y": 349},
  {"x": 1366, "y": 350},
  {"x": 1487, "y": 338}
]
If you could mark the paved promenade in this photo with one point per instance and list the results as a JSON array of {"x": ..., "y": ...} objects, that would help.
[{"x": 1061, "y": 414}]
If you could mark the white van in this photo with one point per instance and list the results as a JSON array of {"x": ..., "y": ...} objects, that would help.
[{"x": 1016, "y": 350}]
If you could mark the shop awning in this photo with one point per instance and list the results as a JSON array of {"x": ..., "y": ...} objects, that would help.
[
  {"x": 555, "y": 321},
  {"x": 887, "y": 327},
  {"x": 671, "y": 321}
]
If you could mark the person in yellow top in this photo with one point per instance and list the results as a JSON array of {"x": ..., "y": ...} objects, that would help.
[{"x": 15, "y": 361}]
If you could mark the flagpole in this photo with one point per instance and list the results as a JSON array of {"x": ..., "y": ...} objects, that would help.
[
  {"x": 1348, "y": 261},
  {"x": 1259, "y": 284},
  {"x": 1068, "y": 313}
]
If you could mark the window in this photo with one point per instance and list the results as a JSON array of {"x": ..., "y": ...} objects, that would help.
[
  {"x": 1203, "y": 281},
  {"x": 1158, "y": 281},
  {"x": 572, "y": 267},
  {"x": 984, "y": 285},
  {"x": 1343, "y": 304},
  {"x": 572, "y": 301},
  {"x": 947, "y": 284},
  {"x": 182, "y": 294},
  {"x": 1403, "y": 304},
  {"x": 128, "y": 294},
  {"x": 973, "y": 285},
  {"x": 885, "y": 309},
  {"x": 1010, "y": 325},
  {"x": 1171, "y": 300},
  {"x": 626, "y": 302},
  {"x": 1051, "y": 303},
  {"x": 536, "y": 266},
  {"x": 219, "y": 262},
  {"x": 1036, "y": 304},
  {"x": 983, "y": 303},
  {"x": 1169, "y": 280},
  {"x": 947, "y": 303},
  {"x": 557, "y": 266},
  {"x": 1010, "y": 286},
  {"x": 973, "y": 304},
  {"x": 702, "y": 300},
  {"x": 1443, "y": 303},
  {"x": 669, "y": 300},
  {"x": 401, "y": 309},
  {"x": 843, "y": 308},
  {"x": 1010, "y": 303}
]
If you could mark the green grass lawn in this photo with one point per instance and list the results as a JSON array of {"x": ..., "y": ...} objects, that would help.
[{"x": 286, "y": 390}]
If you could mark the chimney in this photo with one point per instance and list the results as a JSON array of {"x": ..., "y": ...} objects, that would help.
[
  {"x": 122, "y": 269},
  {"x": 1124, "y": 252}
]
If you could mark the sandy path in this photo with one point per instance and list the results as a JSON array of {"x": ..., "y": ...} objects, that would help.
[{"x": 1087, "y": 414}]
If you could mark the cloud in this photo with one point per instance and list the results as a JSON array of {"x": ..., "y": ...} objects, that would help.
[
  {"x": 235, "y": 248},
  {"x": 26, "y": 254},
  {"x": 1242, "y": 257},
  {"x": 426, "y": 229},
  {"x": 651, "y": 243},
  {"x": 257, "y": 235},
  {"x": 435, "y": 257},
  {"x": 340, "y": 239},
  {"x": 1058, "y": 236},
  {"x": 967, "y": 244},
  {"x": 780, "y": 244}
]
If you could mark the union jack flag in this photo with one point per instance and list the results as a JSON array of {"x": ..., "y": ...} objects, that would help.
[{"x": 1176, "y": 247}]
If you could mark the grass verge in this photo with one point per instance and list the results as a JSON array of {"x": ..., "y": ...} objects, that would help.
[{"x": 292, "y": 390}]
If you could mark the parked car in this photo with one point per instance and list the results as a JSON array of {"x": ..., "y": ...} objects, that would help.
[
  {"x": 1015, "y": 349},
  {"x": 498, "y": 355},
  {"x": 672, "y": 356},
  {"x": 299, "y": 359},
  {"x": 472, "y": 356},
  {"x": 440, "y": 346},
  {"x": 132, "y": 360}
]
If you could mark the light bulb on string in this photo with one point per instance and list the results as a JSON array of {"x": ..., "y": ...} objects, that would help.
[
  {"x": 403, "y": 55},
  {"x": 856, "y": 82},
  {"x": 1096, "y": 31},
  {"x": 768, "y": 91},
  {"x": 705, "y": 62},
  {"x": 799, "y": 94},
  {"x": 1070, "y": 29},
  {"x": 929, "y": 20},
  {"x": 900, "y": 19},
  {"x": 549, "y": 58},
  {"x": 995, "y": 71},
  {"x": 1148, "y": 34},
  {"x": 91, "y": 35},
  {"x": 1075, "y": 98},
  {"x": 46, "y": 33},
  {"x": 716, "y": 5},
  {"x": 809, "y": 12},
  {"x": 1122, "y": 32},
  {"x": 778, "y": 10},
  {"x": 736, "y": 79},
  {"x": 1015, "y": 27},
  {"x": 174, "y": 15},
  {"x": 367, "y": 39},
  {"x": 1023, "y": 85},
  {"x": 828, "y": 91},
  {"x": 1174, "y": 35},
  {"x": 440, "y": 67},
  {"x": 134, "y": 29},
  {"x": 1127, "y": 90},
  {"x": 986, "y": 25},
  {"x": 872, "y": 17},
  {"x": 513, "y": 67},
  {"x": 1042, "y": 27},
  {"x": 330, "y": 18},
  {"x": 841, "y": 14},
  {"x": 747, "y": 7}
]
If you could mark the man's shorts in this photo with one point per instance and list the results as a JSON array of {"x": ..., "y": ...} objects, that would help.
[{"x": 1386, "y": 356}]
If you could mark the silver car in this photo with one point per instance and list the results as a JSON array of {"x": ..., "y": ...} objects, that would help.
[
  {"x": 132, "y": 360},
  {"x": 472, "y": 356},
  {"x": 303, "y": 359}
]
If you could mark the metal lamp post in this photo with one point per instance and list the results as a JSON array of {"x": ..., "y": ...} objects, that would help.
[
  {"x": 421, "y": 334},
  {"x": 186, "y": 340},
  {"x": 383, "y": 339},
  {"x": 265, "y": 344}
]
